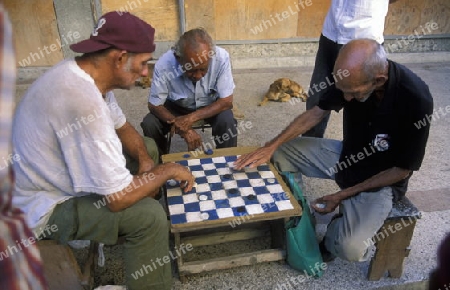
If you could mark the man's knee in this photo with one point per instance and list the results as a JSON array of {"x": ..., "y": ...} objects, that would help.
[
  {"x": 350, "y": 249},
  {"x": 224, "y": 126},
  {"x": 150, "y": 124},
  {"x": 344, "y": 244},
  {"x": 146, "y": 215},
  {"x": 226, "y": 119},
  {"x": 152, "y": 149}
]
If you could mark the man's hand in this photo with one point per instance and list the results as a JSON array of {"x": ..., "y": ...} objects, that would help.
[
  {"x": 255, "y": 158},
  {"x": 183, "y": 176},
  {"x": 193, "y": 139},
  {"x": 329, "y": 201},
  {"x": 182, "y": 124}
]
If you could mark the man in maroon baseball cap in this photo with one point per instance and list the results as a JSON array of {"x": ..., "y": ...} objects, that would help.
[{"x": 93, "y": 176}]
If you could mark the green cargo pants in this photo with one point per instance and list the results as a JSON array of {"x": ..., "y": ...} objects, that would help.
[{"x": 143, "y": 225}]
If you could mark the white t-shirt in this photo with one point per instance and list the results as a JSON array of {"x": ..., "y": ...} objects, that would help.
[
  {"x": 64, "y": 133},
  {"x": 351, "y": 19}
]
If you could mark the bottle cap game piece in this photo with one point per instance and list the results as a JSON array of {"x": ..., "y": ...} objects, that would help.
[
  {"x": 321, "y": 205},
  {"x": 241, "y": 209},
  {"x": 271, "y": 180},
  {"x": 172, "y": 182},
  {"x": 203, "y": 197},
  {"x": 204, "y": 215},
  {"x": 233, "y": 190},
  {"x": 228, "y": 176},
  {"x": 186, "y": 155},
  {"x": 209, "y": 152},
  {"x": 251, "y": 197}
]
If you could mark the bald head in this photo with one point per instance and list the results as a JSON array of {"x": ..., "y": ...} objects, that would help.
[
  {"x": 366, "y": 63},
  {"x": 363, "y": 58}
]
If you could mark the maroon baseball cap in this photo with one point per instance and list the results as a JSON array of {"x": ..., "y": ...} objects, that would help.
[{"x": 120, "y": 30}]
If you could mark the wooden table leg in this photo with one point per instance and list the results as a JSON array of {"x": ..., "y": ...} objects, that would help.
[{"x": 181, "y": 273}]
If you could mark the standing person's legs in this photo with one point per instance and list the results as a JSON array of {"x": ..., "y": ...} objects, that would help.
[
  {"x": 350, "y": 235},
  {"x": 224, "y": 129},
  {"x": 323, "y": 68},
  {"x": 143, "y": 225}
]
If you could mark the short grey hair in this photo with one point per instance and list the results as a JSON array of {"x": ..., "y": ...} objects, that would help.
[
  {"x": 376, "y": 62},
  {"x": 193, "y": 38}
]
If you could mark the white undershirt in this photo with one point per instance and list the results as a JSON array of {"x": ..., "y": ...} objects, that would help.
[{"x": 64, "y": 133}]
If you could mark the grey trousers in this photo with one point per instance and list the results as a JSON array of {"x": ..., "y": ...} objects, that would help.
[{"x": 349, "y": 236}]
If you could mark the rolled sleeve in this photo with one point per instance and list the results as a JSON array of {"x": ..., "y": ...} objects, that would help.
[{"x": 159, "y": 89}]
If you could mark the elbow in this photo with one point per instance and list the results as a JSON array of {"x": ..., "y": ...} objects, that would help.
[
  {"x": 115, "y": 203},
  {"x": 227, "y": 104},
  {"x": 405, "y": 173}
]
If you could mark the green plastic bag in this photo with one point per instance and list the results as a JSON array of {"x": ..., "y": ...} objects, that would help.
[{"x": 303, "y": 252}]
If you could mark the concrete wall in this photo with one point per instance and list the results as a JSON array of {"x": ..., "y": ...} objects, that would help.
[{"x": 73, "y": 16}]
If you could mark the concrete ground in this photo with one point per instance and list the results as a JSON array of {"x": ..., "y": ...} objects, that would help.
[{"x": 429, "y": 188}]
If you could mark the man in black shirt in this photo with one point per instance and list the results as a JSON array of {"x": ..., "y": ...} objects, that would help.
[{"x": 384, "y": 141}]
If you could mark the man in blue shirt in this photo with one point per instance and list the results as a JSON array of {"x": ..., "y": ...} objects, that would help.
[{"x": 192, "y": 82}]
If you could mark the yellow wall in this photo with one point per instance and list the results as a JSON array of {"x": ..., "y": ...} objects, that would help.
[
  {"x": 238, "y": 19},
  {"x": 161, "y": 14},
  {"x": 34, "y": 22},
  {"x": 35, "y": 32}
]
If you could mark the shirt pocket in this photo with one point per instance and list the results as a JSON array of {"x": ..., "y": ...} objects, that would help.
[
  {"x": 176, "y": 96},
  {"x": 213, "y": 94}
]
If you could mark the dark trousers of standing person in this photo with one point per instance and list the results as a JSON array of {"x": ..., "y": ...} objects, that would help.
[
  {"x": 323, "y": 69},
  {"x": 223, "y": 128}
]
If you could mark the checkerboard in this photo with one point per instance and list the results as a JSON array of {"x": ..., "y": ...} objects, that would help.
[{"x": 223, "y": 192}]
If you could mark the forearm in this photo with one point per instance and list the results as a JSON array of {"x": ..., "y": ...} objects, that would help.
[
  {"x": 300, "y": 125},
  {"x": 384, "y": 178},
  {"x": 161, "y": 113},
  {"x": 144, "y": 185},
  {"x": 133, "y": 143},
  {"x": 213, "y": 109}
]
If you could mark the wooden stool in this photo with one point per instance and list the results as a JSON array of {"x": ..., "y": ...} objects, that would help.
[
  {"x": 61, "y": 269},
  {"x": 393, "y": 239}
]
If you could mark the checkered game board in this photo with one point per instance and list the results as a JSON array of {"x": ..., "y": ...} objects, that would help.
[{"x": 223, "y": 192}]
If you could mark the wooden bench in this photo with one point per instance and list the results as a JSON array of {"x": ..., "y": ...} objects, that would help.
[{"x": 393, "y": 239}]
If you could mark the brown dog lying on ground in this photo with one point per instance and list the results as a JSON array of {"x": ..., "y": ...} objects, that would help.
[
  {"x": 144, "y": 82},
  {"x": 282, "y": 90}
]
